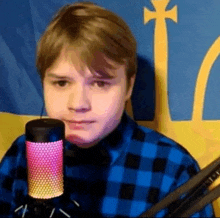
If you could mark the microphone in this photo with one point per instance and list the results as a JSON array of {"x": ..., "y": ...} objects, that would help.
[
  {"x": 44, "y": 152},
  {"x": 45, "y": 170}
]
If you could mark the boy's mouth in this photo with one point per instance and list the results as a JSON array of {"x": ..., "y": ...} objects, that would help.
[
  {"x": 80, "y": 122},
  {"x": 78, "y": 125}
]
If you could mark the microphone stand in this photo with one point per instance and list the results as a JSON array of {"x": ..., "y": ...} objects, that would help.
[
  {"x": 194, "y": 199},
  {"x": 47, "y": 208}
]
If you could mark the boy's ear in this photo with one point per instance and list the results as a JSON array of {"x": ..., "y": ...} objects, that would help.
[{"x": 130, "y": 88}]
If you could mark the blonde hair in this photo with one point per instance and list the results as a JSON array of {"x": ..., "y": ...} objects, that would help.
[{"x": 90, "y": 31}]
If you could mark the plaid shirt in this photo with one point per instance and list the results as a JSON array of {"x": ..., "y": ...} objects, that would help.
[{"x": 141, "y": 168}]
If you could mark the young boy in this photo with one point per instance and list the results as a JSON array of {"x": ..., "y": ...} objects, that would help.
[{"x": 87, "y": 62}]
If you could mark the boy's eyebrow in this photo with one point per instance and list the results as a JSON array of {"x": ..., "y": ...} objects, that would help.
[
  {"x": 70, "y": 78},
  {"x": 57, "y": 76}
]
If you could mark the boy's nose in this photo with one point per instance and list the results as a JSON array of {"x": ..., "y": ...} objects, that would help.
[{"x": 79, "y": 100}]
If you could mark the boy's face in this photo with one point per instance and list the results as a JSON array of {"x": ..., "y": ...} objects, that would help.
[{"x": 71, "y": 96}]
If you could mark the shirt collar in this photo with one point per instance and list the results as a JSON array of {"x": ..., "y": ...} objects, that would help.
[{"x": 118, "y": 141}]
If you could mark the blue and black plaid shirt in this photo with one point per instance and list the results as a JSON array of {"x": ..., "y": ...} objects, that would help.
[{"x": 128, "y": 172}]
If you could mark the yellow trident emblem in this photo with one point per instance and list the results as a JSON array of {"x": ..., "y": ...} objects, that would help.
[{"x": 161, "y": 57}]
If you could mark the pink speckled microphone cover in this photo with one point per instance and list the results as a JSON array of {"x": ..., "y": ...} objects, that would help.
[{"x": 45, "y": 169}]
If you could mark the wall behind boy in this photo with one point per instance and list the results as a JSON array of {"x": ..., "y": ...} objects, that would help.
[{"x": 178, "y": 48}]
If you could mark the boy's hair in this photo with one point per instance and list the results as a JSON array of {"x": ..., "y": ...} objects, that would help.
[{"x": 89, "y": 31}]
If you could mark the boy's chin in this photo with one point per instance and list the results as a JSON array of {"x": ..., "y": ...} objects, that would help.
[{"x": 79, "y": 142}]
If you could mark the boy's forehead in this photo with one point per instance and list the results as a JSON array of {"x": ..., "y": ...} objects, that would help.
[{"x": 98, "y": 63}]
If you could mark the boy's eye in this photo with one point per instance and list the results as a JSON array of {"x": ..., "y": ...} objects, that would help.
[
  {"x": 101, "y": 84},
  {"x": 60, "y": 83}
]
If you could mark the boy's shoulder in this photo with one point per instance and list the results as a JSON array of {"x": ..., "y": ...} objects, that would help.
[
  {"x": 14, "y": 158},
  {"x": 17, "y": 147},
  {"x": 153, "y": 143},
  {"x": 19, "y": 143},
  {"x": 20, "y": 139}
]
